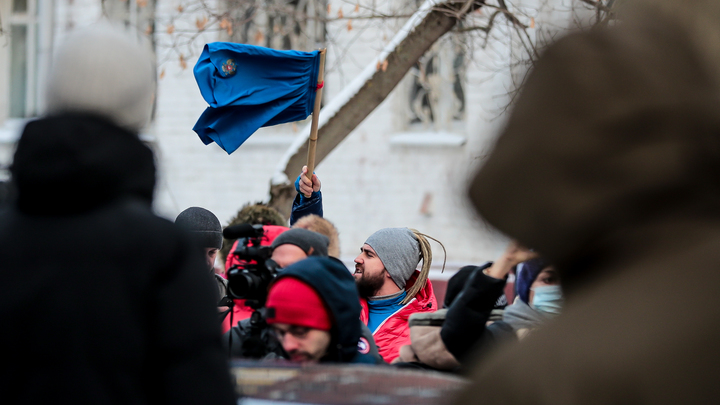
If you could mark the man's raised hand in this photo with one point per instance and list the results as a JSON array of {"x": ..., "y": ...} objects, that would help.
[{"x": 306, "y": 186}]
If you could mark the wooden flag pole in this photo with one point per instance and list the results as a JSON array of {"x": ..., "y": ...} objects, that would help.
[{"x": 312, "y": 142}]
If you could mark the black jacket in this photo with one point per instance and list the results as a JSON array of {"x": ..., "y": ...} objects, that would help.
[
  {"x": 242, "y": 341},
  {"x": 465, "y": 328},
  {"x": 100, "y": 300}
]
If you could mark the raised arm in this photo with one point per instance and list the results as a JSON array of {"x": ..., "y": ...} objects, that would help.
[{"x": 309, "y": 198}]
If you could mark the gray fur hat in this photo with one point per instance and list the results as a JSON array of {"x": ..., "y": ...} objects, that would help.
[
  {"x": 202, "y": 225},
  {"x": 399, "y": 251},
  {"x": 103, "y": 70}
]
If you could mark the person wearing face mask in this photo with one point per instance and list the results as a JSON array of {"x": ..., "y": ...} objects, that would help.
[
  {"x": 539, "y": 297},
  {"x": 468, "y": 331}
]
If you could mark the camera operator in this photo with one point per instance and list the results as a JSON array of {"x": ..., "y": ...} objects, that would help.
[
  {"x": 289, "y": 247},
  {"x": 250, "y": 337},
  {"x": 206, "y": 231}
]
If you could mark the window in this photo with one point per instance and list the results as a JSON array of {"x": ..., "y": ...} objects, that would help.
[
  {"x": 26, "y": 33},
  {"x": 25, "y": 51},
  {"x": 431, "y": 100},
  {"x": 277, "y": 24},
  {"x": 137, "y": 14},
  {"x": 25, "y": 45},
  {"x": 437, "y": 87}
]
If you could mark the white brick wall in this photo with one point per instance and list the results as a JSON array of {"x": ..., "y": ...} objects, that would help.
[{"x": 368, "y": 183}]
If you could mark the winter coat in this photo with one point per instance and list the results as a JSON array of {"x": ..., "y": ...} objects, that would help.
[
  {"x": 394, "y": 332},
  {"x": 466, "y": 328},
  {"x": 240, "y": 343},
  {"x": 616, "y": 140},
  {"x": 118, "y": 308},
  {"x": 240, "y": 310},
  {"x": 303, "y": 206},
  {"x": 270, "y": 232},
  {"x": 464, "y": 331},
  {"x": 427, "y": 350},
  {"x": 336, "y": 286}
]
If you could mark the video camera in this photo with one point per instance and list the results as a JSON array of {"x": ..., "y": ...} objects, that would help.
[{"x": 250, "y": 278}]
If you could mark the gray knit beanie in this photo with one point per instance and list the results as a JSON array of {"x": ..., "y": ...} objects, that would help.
[
  {"x": 203, "y": 226},
  {"x": 312, "y": 243},
  {"x": 105, "y": 71},
  {"x": 399, "y": 251}
]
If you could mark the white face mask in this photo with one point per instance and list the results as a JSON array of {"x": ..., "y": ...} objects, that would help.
[{"x": 548, "y": 299}]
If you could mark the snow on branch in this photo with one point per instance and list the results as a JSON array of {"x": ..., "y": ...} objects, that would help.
[{"x": 330, "y": 109}]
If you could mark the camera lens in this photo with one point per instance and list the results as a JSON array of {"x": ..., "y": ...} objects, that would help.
[{"x": 244, "y": 284}]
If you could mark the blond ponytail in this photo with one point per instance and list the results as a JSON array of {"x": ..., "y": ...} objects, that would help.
[{"x": 426, "y": 255}]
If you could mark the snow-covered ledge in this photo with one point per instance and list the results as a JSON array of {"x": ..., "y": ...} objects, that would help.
[{"x": 427, "y": 139}]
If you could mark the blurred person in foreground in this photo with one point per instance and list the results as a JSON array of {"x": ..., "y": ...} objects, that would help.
[
  {"x": 313, "y": 311},
  {"x": 115, "y": 309},
  {"x": 616, "y": 136}
]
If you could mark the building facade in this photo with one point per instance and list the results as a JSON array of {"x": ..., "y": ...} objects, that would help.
[{"x": 407, "y": 164}]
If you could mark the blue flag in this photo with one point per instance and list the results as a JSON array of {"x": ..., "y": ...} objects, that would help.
[{"x": 248, "y": 87}]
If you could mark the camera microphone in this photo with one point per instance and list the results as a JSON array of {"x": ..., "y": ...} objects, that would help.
[{"x": 242, "y": 231}]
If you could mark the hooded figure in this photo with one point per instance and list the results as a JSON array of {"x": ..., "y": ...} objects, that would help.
[
  {"x": 334, "y": 288},
  {"x": 617, "y": 138},
  {"x": 114, "y": 310}
]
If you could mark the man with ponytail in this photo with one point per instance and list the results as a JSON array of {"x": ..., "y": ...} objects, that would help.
[{"x": 390, "y": 286}]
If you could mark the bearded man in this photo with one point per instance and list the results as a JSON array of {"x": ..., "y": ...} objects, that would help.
[{"x": 390, "y": 287}]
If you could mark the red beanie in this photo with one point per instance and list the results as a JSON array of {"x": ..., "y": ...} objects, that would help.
[{"x": 293, "y": 302}]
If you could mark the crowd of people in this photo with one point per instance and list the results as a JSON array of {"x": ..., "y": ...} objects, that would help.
[
  {"x": 619, "y": 208},
  {"x": 305, "y": 315}
]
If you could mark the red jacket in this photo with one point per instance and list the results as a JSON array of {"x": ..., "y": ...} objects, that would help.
[
  {"x": 240, "y": 310},
  {"x": 394, "y": 331}
]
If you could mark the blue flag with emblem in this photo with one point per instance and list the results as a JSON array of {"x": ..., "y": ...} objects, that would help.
[{"x": 248, "y": 87}]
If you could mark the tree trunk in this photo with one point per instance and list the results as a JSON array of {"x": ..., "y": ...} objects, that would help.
[
  {"x": 436, "y": 23},
  {"x": 281, "y": 198}
]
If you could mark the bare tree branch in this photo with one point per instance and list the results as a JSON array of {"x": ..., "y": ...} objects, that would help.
[
  {"x": 597, "y": 4},
  {"x": 436, "y": 24}
]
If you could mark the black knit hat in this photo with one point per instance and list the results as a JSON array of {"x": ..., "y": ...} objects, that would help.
[
  {"x": 312, "y": 243},
  {"x": 203, "y": 225}
]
